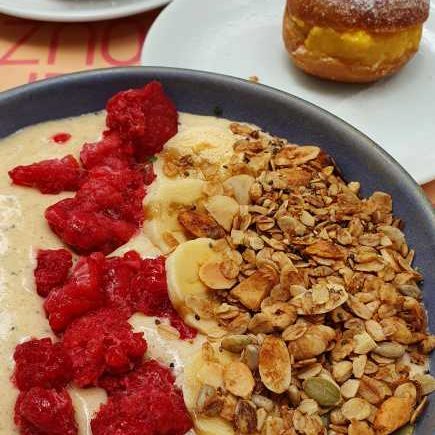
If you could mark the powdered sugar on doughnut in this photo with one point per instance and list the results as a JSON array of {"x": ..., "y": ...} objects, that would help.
[{"x": 373, "y": 15}]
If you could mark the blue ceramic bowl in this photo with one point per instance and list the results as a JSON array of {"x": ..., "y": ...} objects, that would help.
[{"x": 277, "y": 112}]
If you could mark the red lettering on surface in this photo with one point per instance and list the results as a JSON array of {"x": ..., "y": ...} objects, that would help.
[
  {"x": 53, "y": 47},
  {"x": 108, "y": 35},
  {"x": 30, "y": 28}
]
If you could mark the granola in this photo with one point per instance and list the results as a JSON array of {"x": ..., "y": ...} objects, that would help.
[{"x": 316, "y": 291}]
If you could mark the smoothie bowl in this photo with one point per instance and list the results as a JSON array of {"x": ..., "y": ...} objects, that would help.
[{"x": 183, "y": 252}]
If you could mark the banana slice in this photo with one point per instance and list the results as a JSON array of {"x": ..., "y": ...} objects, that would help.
[
  {"x": 163, "y": 203},
  {"x": 212, "y": 138},
  {"x": 190, "y": 297},
  {"x": 199, "y": 371}
]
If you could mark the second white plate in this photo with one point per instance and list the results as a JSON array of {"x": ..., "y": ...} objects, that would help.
[
  {"x": 76, "y": 10},
  {"x": 243, "y": 38}
]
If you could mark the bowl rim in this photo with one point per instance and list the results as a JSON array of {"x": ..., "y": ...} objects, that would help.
[{"x": 412, "y": 192}]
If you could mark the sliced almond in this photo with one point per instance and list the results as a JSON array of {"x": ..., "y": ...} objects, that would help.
[
  {"x": 326, "y": 249},
  {"x": 350, "y": 388},
  {"x": 407, "y": 390},
  {"x": 241, "y": 186},
  {"x": 298, "y": 155},
  {"x": 210, "y": 274},
  {"x": 238, "y": 379},
  {"x": 293, "y": 332},
  {"x": 356, "y": 409},
  {"x": 254, "y": 289},
  {"x": 373, "y": 390},
  {"x": 392, "y": 414},
  {"x": 363, "y": 343},
  {"x": 359, "y": 365},
  {"x": 274, "y": 364},
  {"x": 223, "y": 209},
  {"x": 374, "y": 328},
  {"x": 320, "y": 299},
  {"x": 360, "y": 428},
  {"x": 211, "y": 373}
]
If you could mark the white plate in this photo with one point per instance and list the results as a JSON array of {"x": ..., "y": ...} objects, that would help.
[
  {"x": 76, "y": 10},
  {"x": 243, "y": 38}
]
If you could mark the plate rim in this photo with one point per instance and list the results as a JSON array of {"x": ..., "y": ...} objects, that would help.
[{"x": 109, "y": 13}]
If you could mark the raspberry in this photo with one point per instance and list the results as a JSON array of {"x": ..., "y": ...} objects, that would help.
[
  {"x": 41, "y": 411},
  {"x": 149, "y": 374},
  {"x": 186, "y": 332},
  {"x": 61, "y": 138},
  {"x": 105, "y": 213},
  {"x": 133, "y": 284},
  {"x": 86, "y": 230},
  {"x": 102, "y": 342},
  {"x": 143, "y": 402},
  {"x": 81, "y": 293},
  {"x": 149, "y": 288},
  {"x": 49, "y": 176},
  {"x": 40, "y": 363},
  {"x": 117, "y": 194},
  {"x": 118, "y": 274},
  {"x": 144, "y": 117},
  {"x": 52, "y": 269},
  {"x": 109, "y": 151},
  {"x": 149, "y": 295}
]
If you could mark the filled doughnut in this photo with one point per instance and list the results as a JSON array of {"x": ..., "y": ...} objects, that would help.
[{"x": 353, "y": 40}]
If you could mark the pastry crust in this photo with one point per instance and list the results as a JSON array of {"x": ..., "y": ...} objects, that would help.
[
  {"x": 331, "y": 68},
  {"x": 371, "y": 15}
]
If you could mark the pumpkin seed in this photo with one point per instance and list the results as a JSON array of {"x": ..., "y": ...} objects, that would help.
[
  {"x": 405, "y": 430},
  {"x": 323, "y": 391},
  {"x": 263, "y": 402},
  {"x": 250, "y": 356},
  {"x": 235, "y": 343}
]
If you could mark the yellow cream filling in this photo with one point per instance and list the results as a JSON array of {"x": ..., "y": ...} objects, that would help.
[{"x": 359, "y": 45}]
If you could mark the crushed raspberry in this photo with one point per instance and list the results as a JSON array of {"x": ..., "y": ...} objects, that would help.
[
  {"x": 117, "y": 194},
  {"x": 91, "y": 304},
  {"x": 41, "y": 411},
  {"x": 80, "y": 294},
  {"x": 133, "y": 284},
  {"x": 150, "y": 295},
  {"x": 118, "y": 275},
  {"x": 52, "y": 269},
  {"x": 49, "y": 176},
  {"x": 186, "y": 332},
  {"x": 102, "y": 342},
  {"x": 149, "y": 374},
  {"x": 145, "y": 401},
  {"x": 106, "y": 212},
  {"x": 87, "y": 231},
  {"x": 109, "y": 151},
  {"x": 41, "y": 363},
  {"x": 145, "y": 117},
  {"x": 61, "y": 138}
]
